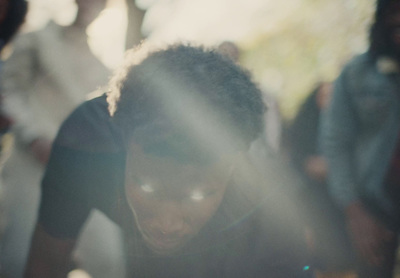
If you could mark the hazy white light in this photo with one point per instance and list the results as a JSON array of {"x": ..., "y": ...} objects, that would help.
[
  {"x": 147, "y": 188},
  {"x": 197, "y": 195},
  {"x": 107, "y": 36},
  {"x": 78, "y": 273},
  {"x": 211, "y": 21},
  {"x": 145, "y": 4}
]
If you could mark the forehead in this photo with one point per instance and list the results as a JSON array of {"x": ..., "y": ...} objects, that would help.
[{"x": 173, "y": 173}]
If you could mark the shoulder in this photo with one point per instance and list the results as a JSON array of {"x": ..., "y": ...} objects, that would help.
[
  {"x": 90, "y": 128},
  {"x": 361, "y": 76},
  {"x": 366, "y": 76},
  {"x": 26, "y": 45},
  {"x": 30, "y": 38},
  {"x": 358, "y": 66},
  {"x": 23, "y": 44}
]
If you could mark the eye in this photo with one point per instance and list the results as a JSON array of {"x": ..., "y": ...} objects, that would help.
[
  {"x": 147, "y": 188},
  {"x": 197, "y": 195}
]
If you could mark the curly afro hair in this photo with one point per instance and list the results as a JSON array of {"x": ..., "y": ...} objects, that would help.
[{"x": 184, "y": 99}]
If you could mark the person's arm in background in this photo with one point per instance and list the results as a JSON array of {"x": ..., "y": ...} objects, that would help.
[
  {"x": 18, "y": 82},
  {"x": 302, "y": 143},
  {"x": 339, "y": 131},
  {"x": 48, "y": 256},
  {"x": 338, "y": 139}
]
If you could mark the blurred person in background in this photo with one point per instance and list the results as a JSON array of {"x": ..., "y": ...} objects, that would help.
[
  {"x": 229, "y": 49},
  {"x": 303, "y": 133},
  {"x": 165, "y": 155},
  {"x": 50, "y": 72},
  {"x": 302, "y": 146},
  {"x": 12, "y": 16},
  {"x": 361, "y": 142}
]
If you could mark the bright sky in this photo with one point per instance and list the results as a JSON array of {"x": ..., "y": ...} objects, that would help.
[
  {"x": 211, "y": 21},
  {"x": 202, "y": 21},
  {"x": 106, "y": 34}
]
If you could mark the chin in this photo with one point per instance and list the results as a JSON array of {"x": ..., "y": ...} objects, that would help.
[
  {"x": 164, "y": 251},
  {"x": 163, "y": 247}
]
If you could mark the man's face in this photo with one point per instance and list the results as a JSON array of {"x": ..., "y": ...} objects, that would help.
[
  {"x": 392, "y": 24},
  {"x": 172, "y": 201}
]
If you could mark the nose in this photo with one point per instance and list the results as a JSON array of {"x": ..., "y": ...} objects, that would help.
[{"x": 170, "y": 220}]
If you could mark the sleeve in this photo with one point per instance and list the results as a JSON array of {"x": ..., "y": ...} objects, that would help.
[
  {"x": 338, "y": 138},
  {"x": 84, "y": 168},
  {"x": 65, "y": 199}
]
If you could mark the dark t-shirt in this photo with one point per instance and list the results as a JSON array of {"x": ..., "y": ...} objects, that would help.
[
  {"x": 392, "y": 180},
  {"x": 86, "y": 171}
]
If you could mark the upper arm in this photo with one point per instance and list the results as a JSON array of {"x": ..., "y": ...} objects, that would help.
[
  {"x": 339, "y": 120},
  {"x": 339, "y": 131},
  {"x": 48, "y": 256},
  {"x": 65, "y": 196},
  {"x": 77, "y": 176},
  {"x": 77, "y": 179}
]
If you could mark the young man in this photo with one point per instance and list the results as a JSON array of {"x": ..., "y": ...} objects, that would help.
[
  {"x": 163, "y": 154},
  {"x": 362, "y": 145}
]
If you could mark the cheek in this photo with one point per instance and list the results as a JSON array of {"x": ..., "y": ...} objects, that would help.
[
  {"x": 143, "y": 209},
  {"x": 199, "y": 213}
]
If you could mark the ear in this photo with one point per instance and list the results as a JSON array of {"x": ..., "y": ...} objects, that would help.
[
  {"x": 245, "y": 171},
  {"x": 243, "y": 165},
  {"x": 247, "y": 181}
]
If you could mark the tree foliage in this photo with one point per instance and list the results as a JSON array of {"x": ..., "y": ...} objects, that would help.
[{"x": 310, "y": 45}]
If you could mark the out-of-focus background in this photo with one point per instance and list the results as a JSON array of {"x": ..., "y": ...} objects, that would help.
[{"x": 288, "y": 45}]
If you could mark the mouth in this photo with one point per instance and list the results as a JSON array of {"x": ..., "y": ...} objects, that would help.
[{"x": 163, "y": 245}]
